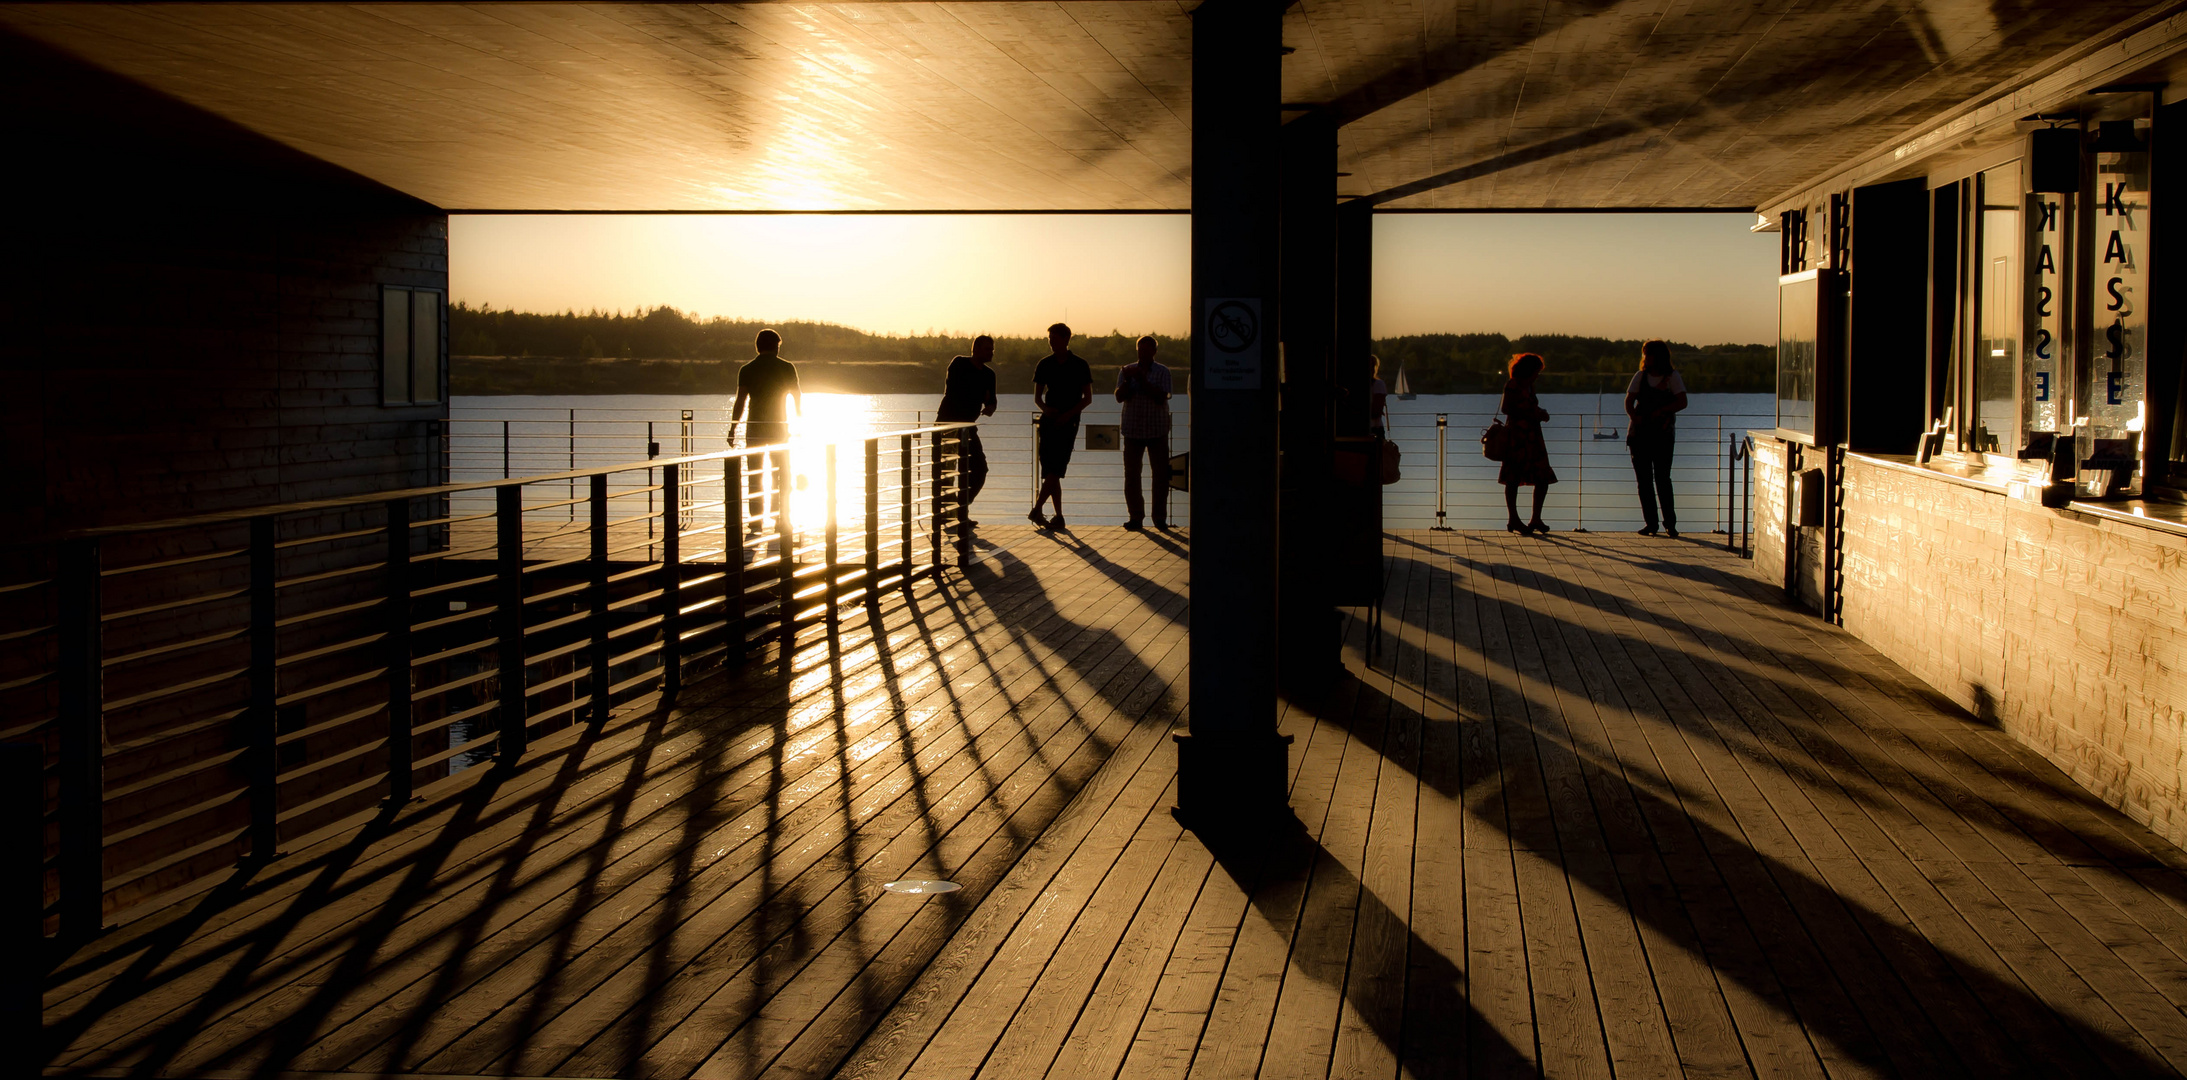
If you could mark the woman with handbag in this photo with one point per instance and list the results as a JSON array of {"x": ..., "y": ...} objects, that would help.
[
  {"x": 1652, "y": 402},
  {"x": 1526, "y": 456}
]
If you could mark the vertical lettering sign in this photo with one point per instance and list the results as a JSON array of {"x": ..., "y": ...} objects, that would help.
[
  {"x": 1230, "y": 327},
  {"x": 2044, "y": 342},
  {"x": 2118, "y": 363}
]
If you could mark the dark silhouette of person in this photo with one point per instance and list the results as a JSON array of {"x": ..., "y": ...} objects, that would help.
[
  {"x": 1062, "y": 388},
  {"x": 1527, "y": 459},
  {"x": 968, "y": 393},
  {"x": 767, "y": 384},
  {"x": 1144, "y": 388},
  {"x": 1652, "y": 402}
]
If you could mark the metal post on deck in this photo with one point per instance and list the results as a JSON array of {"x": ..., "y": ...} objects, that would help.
[
  {"x": 671, "y": 584},
  {"x": 260, "y": 729},
  {"x": 597, "y": 600},
  {"x": 1442, "y": 431},
  {"x": 873, "y": 519},
  {"x": 396, "y": 649},
  {"x": 683, "y": 495},
  {"x": 1721, "y": 525},
  {"x": 573, "y": 466},
  {"x": 1579, "y": 483},
  {"x": 504, "y": 449},
  {"x": 509, "y": 618},
  {"x": 82, "y": 724}
]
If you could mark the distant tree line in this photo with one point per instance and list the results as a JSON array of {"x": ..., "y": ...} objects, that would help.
[
  {"x": 664, "y": 351},
  {"x": 1475, "y": 363}
]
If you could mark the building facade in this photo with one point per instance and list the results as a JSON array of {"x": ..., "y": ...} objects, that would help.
[{"x": 1980, "y": 463}]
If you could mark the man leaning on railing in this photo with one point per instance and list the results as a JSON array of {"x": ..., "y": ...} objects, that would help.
[
  {"x": 768, "y": 384},
  {"x": 968, "y": 393}
]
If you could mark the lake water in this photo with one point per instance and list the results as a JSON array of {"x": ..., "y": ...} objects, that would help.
[{"x": 528, "y": 435}]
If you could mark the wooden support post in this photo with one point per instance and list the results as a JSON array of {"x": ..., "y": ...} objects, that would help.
[
  {"x": 830, "y": 537},
  {"x": 873, "y": 519},
  {"x": 935, "y": 477},
  {"x": 962, "y": 510},
  {"x": 597, "y": 565},
  {"x": 260, "y": 727},
  {"x": 82, "y": 862},
  {"x": 671, "y": 582},
  {"x": 733, "y": 554},
  {"x": 786, "y": 538},
  {"x": 904, "y": 478},
  {"x": 396, "y": 651},
  {"x": 22, "y": 851},
  {"x": 509, "y": 619}
]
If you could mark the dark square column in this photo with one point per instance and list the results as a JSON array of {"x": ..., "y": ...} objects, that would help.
[{"x": 1232, "y": 768}]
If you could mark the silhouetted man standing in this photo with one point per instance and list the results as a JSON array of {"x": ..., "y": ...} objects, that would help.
[
  {"x": 768, "y": 385},
  {"x": 1062, "y": 388},
  {"x": 968, "y": 393},
  {"x": 1144, "y": 388}
]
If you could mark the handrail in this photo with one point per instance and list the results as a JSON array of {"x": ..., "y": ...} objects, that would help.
[
  {"x": 384, "y": 648},
  {"x": 226, "y": 517}
]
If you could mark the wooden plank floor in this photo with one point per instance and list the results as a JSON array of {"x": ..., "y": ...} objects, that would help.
[{"x": 1575, "y": 806}]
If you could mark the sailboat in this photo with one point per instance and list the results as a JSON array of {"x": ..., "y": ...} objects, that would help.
[{"x": 1404, "y": 388}]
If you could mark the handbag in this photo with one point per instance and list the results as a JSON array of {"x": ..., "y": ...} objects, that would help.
[
  {"x": 1496, "y": 441},
  {"x": 1390, "y": 455}
]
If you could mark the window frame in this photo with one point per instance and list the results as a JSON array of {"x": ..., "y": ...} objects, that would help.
[{"x": 405, "y": 339}]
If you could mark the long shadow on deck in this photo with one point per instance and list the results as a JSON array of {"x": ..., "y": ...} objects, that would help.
[
  {"x": 601, "y": 933},
  {"x": 1866, "y": 986}
]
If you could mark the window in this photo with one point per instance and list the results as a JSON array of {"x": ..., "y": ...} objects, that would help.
[
  {"x": 2046, "y": 346},
  {"x": 1993, "y": 407},
  {"x": 2113, "y": 386},
  {"x": 1798, "y": 306},
  {"x": 410, "y": 346}
]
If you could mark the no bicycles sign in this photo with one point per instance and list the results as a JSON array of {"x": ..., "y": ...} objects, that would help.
[{"x": 1231, "y": 328}]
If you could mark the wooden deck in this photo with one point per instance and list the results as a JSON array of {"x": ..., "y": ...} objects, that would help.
[{"x": 1593, "y": 806}]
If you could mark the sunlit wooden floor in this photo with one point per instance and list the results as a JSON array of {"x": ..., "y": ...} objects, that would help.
[{"x": 1581, "y": 806}]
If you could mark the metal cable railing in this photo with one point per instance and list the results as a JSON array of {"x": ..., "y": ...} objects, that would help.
[{"x": 210, "y": 688}]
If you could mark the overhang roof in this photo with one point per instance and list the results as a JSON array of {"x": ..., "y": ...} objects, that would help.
[{"x": 1079, "y": 105}]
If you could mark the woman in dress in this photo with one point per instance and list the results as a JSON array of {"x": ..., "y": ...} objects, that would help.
[
  {"x": 1652, "y": 402},
  {"x": 1527, "y": 459}
]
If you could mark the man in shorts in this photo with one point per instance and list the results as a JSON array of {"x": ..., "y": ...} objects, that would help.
[
  {"x": 1062, "y": 388},
  {"x": 968, "y": 393},
  {"x": 768, "y": 385}
]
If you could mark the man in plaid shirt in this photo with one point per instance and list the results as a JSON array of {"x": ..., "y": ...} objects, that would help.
[{"x": 1144, "y": 388}]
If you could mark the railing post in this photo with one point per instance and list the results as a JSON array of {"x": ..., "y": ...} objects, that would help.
[
  {"x": 1579, "y": 485},
  {"x": 683, "y": 499},
  {"x": 873, "y": 519},
  {"x": 733, "y": 554},
  {"x": 397, "y": 651},
  {"x": 1442, "y": 429},
  {"x": 22, "y": 851},
  {"x": 573, "y": 465},
  {"x": 935, "y": 526},
  {"x": 260, "y": 727},
  {"x": 504, "y": 449},
  {"x": 597, "y": 565},
  {"x": 82, "y": 862},
  {"x": 829, "y": 535},
  {"x": 786, "y": 537},
  {"x": 509, "y": 619},
  {"x": 671, "y": 583},
  {"x": 962, "y": 511},
  {"x": 1719, "y": 467},
  {"x": 904, "y": 477}
]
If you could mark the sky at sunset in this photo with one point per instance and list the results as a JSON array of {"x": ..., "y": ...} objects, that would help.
[{"x": 1697, "y": 278}]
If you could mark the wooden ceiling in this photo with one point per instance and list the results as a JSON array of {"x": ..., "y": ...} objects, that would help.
[{"x": 1083, "y": 104}]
